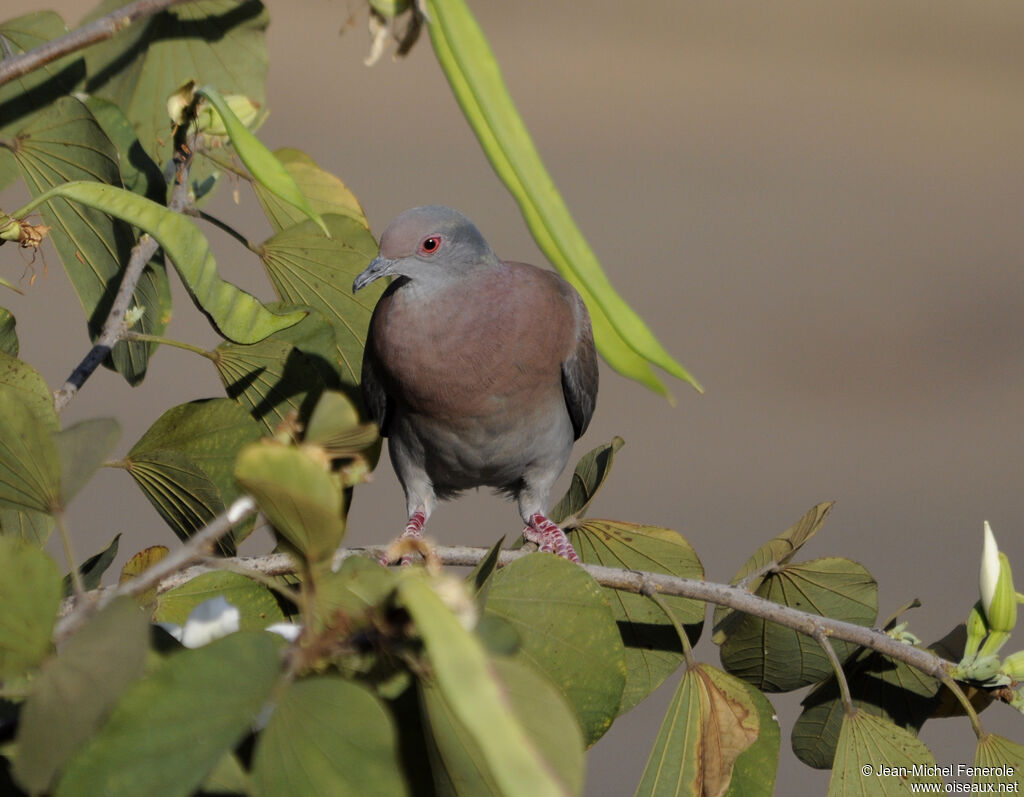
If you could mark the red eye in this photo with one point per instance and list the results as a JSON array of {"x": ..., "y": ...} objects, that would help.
[{"x": 430, "y": 245}]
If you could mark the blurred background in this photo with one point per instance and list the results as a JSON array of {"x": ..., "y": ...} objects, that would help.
[{"x": 817, "y": 208}]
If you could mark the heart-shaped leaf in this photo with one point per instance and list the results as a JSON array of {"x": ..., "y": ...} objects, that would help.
[
  {"x": 567, "y": 631},
  {"x": 777, "y": 551},
  {"x": 62, "y": 144},
  {"x": 589, "y": 475},
  {"x": 779, "y": 659},
  {"x": 653, "y": 649},
  {"x": 308, "y": 268},
  {"x": 257, "y": 606},
  {"x": 223, "y": 41},
  {"x": 328, "y": 736},
  {"x": 325, "y": 192},
  {"x": 184, "y": 463},
  {"x": 298, "y": 495},
  {"x": 75, "y": 689},
  {"x": 40, "y": 88},
  {"x": 474, "y": 696},
  {"x": 149, "y": 743},
  {"x": 866, "y": 744},
  {"x": 711, "y": 721},
  {"x": 81, "y": 449},
  {"x": 30, "y": 594}
]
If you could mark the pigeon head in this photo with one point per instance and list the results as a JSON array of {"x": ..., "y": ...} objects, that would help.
[{"x": 432, "y": 244}]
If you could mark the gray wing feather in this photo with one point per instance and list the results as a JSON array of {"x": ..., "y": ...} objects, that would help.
[
  {"x": 579, "y": 372},
  {"x": 374, "y": 395}
]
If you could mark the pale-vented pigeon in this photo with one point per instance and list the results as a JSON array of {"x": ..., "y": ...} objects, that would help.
[{"x": 478, "y": 371}]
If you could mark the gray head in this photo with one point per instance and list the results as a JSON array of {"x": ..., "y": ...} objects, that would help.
[{"x": 432, "y": 243}]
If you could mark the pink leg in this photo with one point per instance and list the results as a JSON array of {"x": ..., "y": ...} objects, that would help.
[
  {"x": 549, "y": 538},
  {"x": 413, "y": 531}
]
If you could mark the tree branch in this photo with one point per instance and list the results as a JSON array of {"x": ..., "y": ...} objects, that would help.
[
  {"x": 169, "y": 573},
  {"x": 76, "y": 611},
  {"x": 103, "y": 28},
  {"x": 114, "y": 328}
]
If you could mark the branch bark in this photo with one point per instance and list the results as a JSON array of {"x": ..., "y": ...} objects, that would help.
[
  {"x": 175, "y": 573},
  {"x": 114, "y": 328},
  {"x": 105, "y": 27}
]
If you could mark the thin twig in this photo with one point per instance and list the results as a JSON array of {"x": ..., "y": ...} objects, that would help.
[
  {"x": 103, "y": 28},
  {"x": 114, "y": 328},
  {"x": 195, "y": 549}
]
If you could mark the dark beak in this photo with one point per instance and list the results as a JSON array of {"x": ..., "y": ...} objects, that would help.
[{"x": 379, "y": 267}]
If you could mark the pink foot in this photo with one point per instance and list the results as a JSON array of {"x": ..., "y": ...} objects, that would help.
[
  {"x": 549, "y": 538},
  {"x": 413, "y": 533}
]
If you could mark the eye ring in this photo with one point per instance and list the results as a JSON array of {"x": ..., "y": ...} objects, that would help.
[{"x": 430, "y": 245}]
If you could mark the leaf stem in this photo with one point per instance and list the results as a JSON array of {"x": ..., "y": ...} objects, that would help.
[
  {"x": 176, "y": 344},
  {"x": 69, "y": 554},
  {"x": 821, "y": 637},
  {"x": 950, "y": 683},
  {"x": 224, "y": 227},
  {"x": 652, "y": 593}
]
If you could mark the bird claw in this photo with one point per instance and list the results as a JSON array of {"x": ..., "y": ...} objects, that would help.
[
  {"x": 549, "y": 538},
  {"x": 411, "y": 544}
]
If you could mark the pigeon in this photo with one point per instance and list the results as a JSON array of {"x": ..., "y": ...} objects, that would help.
[{"x": 480, "y": 372}]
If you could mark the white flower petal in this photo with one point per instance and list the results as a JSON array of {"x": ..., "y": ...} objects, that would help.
[{"x": 989, "y": 569}]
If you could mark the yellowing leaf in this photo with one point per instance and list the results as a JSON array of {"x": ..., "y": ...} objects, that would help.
[{"x": 712, "y": 720}]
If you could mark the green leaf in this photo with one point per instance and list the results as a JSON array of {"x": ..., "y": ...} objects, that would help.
[
  {"x": 139, "y": 173},
  {"x": 335, "y": 427},
  {"x": 878, "y": 685},
  {"x": 325, "y": 192},
  {"x": 40, "y": 88},
  {"x": 588, "y": 477},
  {"x": 237, "y": 315},
  {"x": 184, "y": 463},
  {"x": 30, "y": 597},
  {"x": 476, "y": 701},
  {"x": 221, "y": 41},
  {"x": 65, "y": 144},
  {"x": 81, "y": 449},
  {"x": 281, "y": 374},
  {"x": 996, "y": 751},
  {"x": 297, "y": 494},
  {"x": 29, "y": 385},
  {"x": 8, "y": 333},
  {"x": 309, "y": 269},
  {"x": 753, "y": 774},
  {"x": 75, "y": 690},
  {"x": 149, "y": 745},
  {"x": 567, "y": 631},
  {"x": 711, "y": 721},
  {"x": 652, "y": 646},
  {"x": 328, "y": 736},
  {"x": 257, "y": 606},
  {"x": 779, "y": 659},
  {"x": 29, "y": 466},
  {"x": 466, "y": 58},
  {"x": 260, "y": 161},
  {"x": 868, "y": 743},
  {"x": 777, "y": 551},
  {"x": 459, "y": 767},
  {"x": 93, "y": 568},
  {"x": 28, "y": 525}
]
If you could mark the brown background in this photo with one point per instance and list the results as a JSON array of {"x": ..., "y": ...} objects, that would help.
[{"x": 817, "y": 207}]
